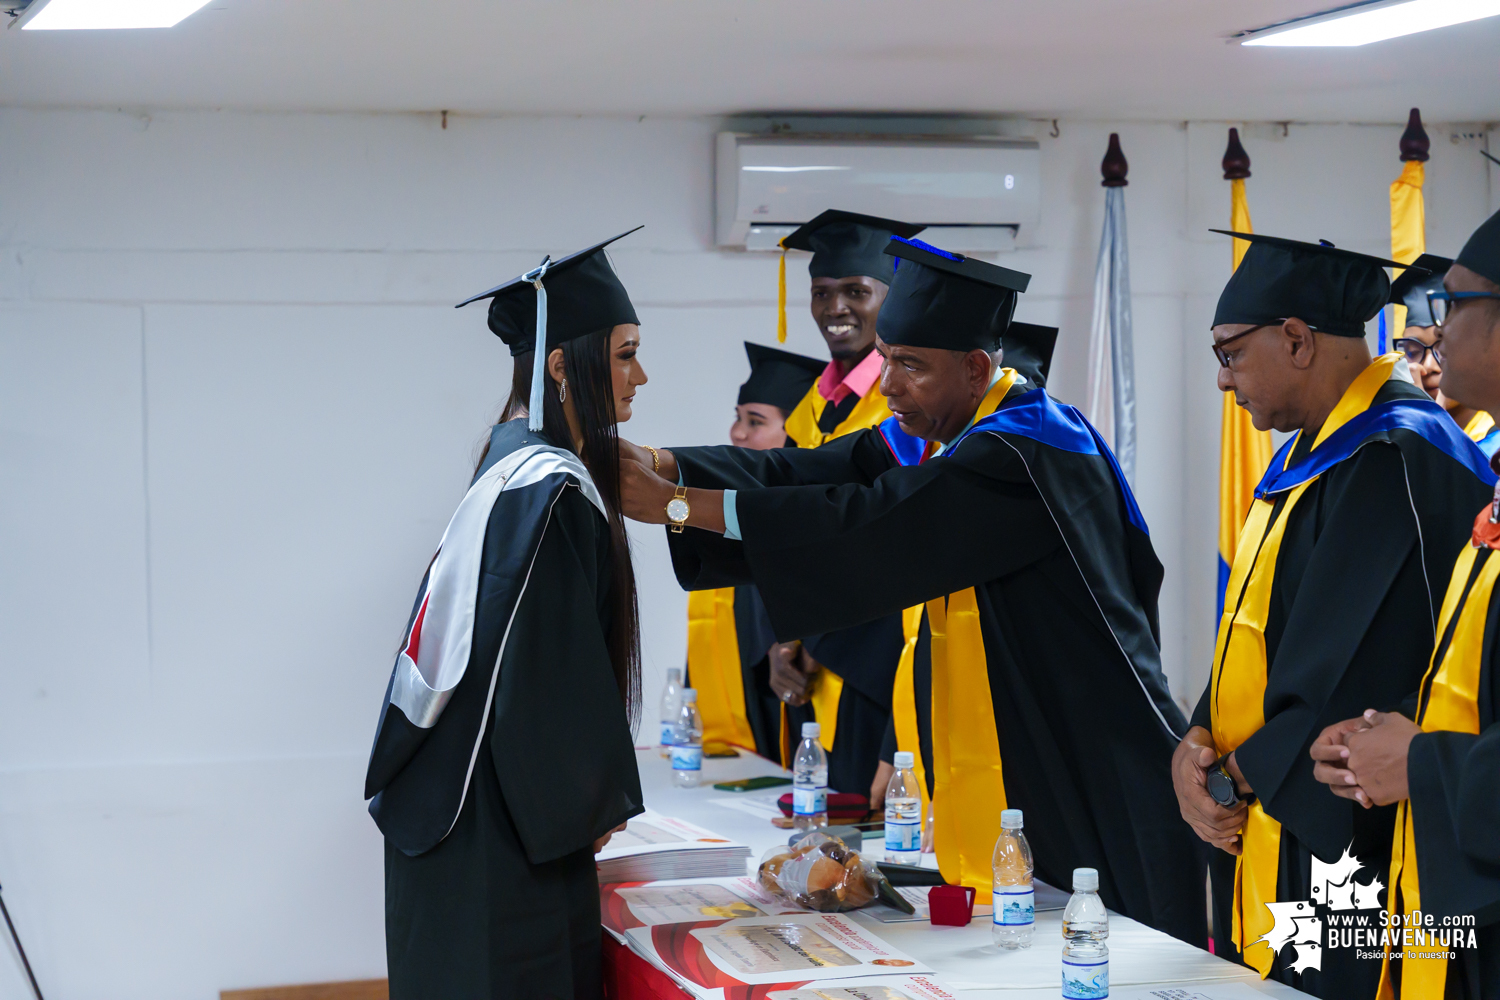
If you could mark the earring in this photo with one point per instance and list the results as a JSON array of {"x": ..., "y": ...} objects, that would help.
[{"x": 562, "y": 392}]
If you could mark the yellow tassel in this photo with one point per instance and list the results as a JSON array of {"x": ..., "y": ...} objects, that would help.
[{"x": 781, "y": 300}]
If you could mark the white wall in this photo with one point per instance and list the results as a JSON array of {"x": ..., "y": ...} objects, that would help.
[{"x": 237, "y": 408}]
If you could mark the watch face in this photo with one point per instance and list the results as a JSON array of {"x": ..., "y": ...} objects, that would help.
[
  {"x": 1221, "y": 788},
  {"x": 677, "y": 509}
]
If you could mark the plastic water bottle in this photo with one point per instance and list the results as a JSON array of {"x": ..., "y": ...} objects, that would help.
[
  {"x": 671, "y": 707},
  {"x": 903, "y": 813},
  {"x": 1015, "y": 901},
  {"x": 1085, "y": 957},
  {"x": 687, "y": 745},
  {"x": 810, "y": 780}
]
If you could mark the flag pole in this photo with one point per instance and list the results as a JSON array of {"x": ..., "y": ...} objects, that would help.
[
  {"x": 1244, "y": 452},
  {"x": 1111, "y": 389},
  {"x": 25, "y": 962},
  {"x": 1408, "y": 209}
]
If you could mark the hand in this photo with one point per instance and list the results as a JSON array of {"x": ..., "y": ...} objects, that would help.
[
  {"x": 1377, "y": 755},
  {"x": 883, "y": 775},
  {"x": 603, "y": 841},
  {"x": 643, "y": 494},
  {"x": 1330, "y": 754},
  {"x": 635, "y": 453},
  {"x": 792, "y": 672},
  {"x": 1209, "y": 820}
]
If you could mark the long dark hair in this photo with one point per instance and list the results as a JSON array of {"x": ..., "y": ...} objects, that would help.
[{"x": 586, "y": 363}]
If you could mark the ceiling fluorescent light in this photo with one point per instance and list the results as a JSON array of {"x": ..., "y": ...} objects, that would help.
[
  {"x": 1361, "y": 24},
  {"x": 62, "y": 15}
]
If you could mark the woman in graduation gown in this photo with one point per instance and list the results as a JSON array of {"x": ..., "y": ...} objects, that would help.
[{"x": 503, "y": 758}]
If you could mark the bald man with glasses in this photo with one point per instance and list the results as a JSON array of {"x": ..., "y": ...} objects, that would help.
[{"x": 1333, "y": 594}]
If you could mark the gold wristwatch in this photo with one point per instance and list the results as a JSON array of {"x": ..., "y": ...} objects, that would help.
[{"x": 678, "y": 509}]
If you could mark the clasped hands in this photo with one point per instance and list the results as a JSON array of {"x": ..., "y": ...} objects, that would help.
[{"x": 1364, "y": 759}]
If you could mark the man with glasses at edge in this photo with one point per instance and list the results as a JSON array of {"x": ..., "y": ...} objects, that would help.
[
  {"x": 1419, "y": 343},
  {"x": 1358, "y": 515},
  {"x": 1443, "y": 769}
]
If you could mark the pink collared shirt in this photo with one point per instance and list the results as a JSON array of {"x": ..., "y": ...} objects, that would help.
[{"x": 859, "y": 380}]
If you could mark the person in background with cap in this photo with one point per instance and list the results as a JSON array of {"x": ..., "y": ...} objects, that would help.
[
  {"x": 1420, "y": 337},
  {"x": 1333, "y": 592},
  {"x": 1443, "y": 769},
  {"x": 526, "y": 615},
  {"x": 842, "y": 680},
  {"x": 1001, "y": 521},
  {"x": 728, "y": 633}
]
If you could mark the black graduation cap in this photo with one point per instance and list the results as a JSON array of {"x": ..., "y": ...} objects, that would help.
[
  {"x": 778, "y": 378},
  {"x": 1331, "y": 290},
  {"x": 1028, "y": 349},
  {"x": 1482, "y": 253},
  {"x": 1410, "y": 290},
  {"x": 584, "y": 295},
  {"x": 946, "y": 300},
  {"x": 845, "y": 244}
]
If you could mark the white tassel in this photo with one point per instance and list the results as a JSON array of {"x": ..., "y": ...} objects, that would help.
[{"x": 539, "y": 357}]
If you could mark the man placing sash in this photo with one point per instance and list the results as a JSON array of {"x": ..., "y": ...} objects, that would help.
[
  {"x": 1443, "y": 770},
  {"x": 1334, "y": 592},
  {"x": 1000, "y": 519}
]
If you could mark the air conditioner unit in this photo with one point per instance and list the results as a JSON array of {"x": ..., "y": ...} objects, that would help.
[{"x": 975, "y": 195}]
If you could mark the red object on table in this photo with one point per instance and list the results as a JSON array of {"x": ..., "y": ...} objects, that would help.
[
  {"x": 843, "y": 806},
  {"x": 628, "y": 976},
  {"x": 951, "y": 905}
]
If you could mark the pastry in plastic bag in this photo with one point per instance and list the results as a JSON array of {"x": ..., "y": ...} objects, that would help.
[{"x": 821, "y": 873}]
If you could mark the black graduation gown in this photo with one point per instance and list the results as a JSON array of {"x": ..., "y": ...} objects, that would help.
[
  {"x": 1453, "y": 780},
  {"x": 1086, "y": 734},
  {"x": 506, "y": 905},
  {"x": 1354, "y": 601}
]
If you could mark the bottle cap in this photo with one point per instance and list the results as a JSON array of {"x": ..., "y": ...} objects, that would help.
[
  {"x": 674, "y": 674},
  {"x": 1085, "y": 879},
  {"x": 1010, "y": 819},
  {"x": 689, "y": 694},
  {"x": 904, "y": 759},
  {"x": 811, "y": 729}
]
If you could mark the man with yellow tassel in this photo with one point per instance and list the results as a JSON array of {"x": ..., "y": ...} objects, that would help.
[
  {"x": 841, "y": 680},
  {"x": 1331, "y": 597},
  {"x": 1001, "y": 518},
  {"x": 1442, "y": 771}
]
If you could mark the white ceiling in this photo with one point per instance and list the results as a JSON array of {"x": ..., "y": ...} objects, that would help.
[{"x": 1152, "y": 59}]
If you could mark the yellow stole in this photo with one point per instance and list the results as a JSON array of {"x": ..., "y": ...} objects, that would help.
[
  {"x": 802, "y": 423},
  {"x": 1480, "y": 424},
  {"x": 1451, "y": 704},
  {"x": 968, "y": 783},
  {"x": 1239, "y": 680},
  {"x": 713, "y": 657}
]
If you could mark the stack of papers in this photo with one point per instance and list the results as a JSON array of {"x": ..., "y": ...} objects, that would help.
[
  {"x": 679, "y": 901},
  {"x": 654, "y": 846},
  {"x": 799, "y": 956}
]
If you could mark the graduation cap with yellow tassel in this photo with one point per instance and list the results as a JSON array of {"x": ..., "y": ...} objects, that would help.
[{"x": 843, "y": 245}]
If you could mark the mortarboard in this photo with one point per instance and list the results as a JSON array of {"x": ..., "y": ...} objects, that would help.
[
  {"x": 555, "y": 301},
  {"x": 1410, "y": 290},
  {"x": 778, "y": 378},
  {"x": 1482, "y": 253},
  {"x": 1028, "y": 349},
  {"x": 1333, "y": 291},
  {"x": 946, "y": 300},
  {"x": 843, "y": 244}
]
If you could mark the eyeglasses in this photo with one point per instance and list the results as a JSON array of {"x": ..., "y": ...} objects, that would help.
[
  {"x": 1442, "y": 304},
  {"x": 1415, "y": 350},
  {"x": 1225, "y": 357}
]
